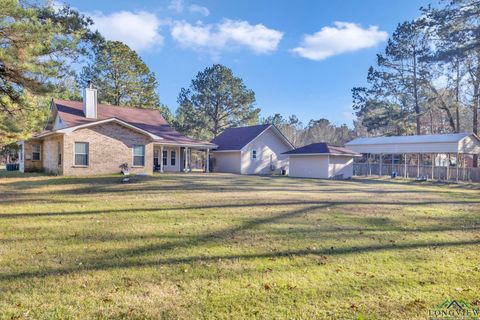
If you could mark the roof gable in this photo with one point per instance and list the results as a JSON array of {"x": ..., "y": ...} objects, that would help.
[
  {"x": 148, "y": 120},
  {"x": 234, "y": 139}
]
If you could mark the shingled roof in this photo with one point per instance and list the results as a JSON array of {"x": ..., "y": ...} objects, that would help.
[
  {"x": 234, "y": 139},
  {"x": 322, "y": 148},
  {"x": 71, "y": 112}
]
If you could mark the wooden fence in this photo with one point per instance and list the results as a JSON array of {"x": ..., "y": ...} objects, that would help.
[{"x": 409, "y": 171}]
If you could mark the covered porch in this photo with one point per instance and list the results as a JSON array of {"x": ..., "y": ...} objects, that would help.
[{"x": 181, "y": 158}]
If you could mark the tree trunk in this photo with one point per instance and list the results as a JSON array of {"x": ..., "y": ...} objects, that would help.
[
  {"x": 476, "y": 87},
  {"x": 415, "y": 91},
  {"x": 457, "y": 98}
]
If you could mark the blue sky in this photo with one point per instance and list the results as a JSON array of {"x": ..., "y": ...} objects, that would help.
[{"x": 300, "y": 57}]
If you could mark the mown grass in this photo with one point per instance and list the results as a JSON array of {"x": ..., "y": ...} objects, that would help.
[{"x": 223, "y": 246}]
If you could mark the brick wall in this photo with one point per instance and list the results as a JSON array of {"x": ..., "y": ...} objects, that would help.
[
  {"x": 110, "y": 145},
  {"x": 29, "y": 164},
  {"x": 50, "y": 154}
]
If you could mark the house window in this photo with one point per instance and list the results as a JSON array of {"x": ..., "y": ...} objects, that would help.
[
  {"x": 173, "y": 155},
  {"x": 254, "y": 154},
  {"x": 81, "y": 153},
  {"x": 155, "y": 158},
  {"x": 35, "y": 152},
  {"x": 59, "y": 149},
  {"x": 164, "y": 157},
  {"x": 139, "y": 155}
]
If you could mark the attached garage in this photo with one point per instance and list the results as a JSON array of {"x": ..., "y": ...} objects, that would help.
[{"x": 321, "y": 160}]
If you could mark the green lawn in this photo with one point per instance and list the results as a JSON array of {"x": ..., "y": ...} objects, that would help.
[{"x": 224, "y": 246}]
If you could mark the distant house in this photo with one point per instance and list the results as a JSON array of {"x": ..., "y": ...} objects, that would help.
[
  {"x": 251, "y": 150},
  {"x": 321, "y": 160},
  {"x": 90, "y": 138}
]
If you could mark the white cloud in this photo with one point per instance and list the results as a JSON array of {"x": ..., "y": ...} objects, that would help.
[
  {"x": 198, "y": 9},
  {"x": 177, "y": 6},
  {"x": 341, "y": 38},
  {"x": 226, "y": 35},
  {"x": 139, "y": 30}
]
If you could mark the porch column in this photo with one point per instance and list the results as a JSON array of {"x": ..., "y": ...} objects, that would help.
[
  {"x": 161, "y": 158},
  {"x": 207, "y": 162},
  {"x": 185, "y": 169},
  {"x": 456, "y": 165},
  {"x": 369, "y": 171},
  {"x": 393, "y": 163},
  {"x": 405, "y": 165},
  {"x": 418, "y": 165},
  {"x": 448, "y": 166},
  {"x": 381, "y": 164},
  {"x": 433, "y": 165}
]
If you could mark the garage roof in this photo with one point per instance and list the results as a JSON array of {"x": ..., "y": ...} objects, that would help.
[{"x": 322, "y": 148}]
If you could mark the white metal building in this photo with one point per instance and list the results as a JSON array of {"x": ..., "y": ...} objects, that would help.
[{"x": 416, "y": 156}]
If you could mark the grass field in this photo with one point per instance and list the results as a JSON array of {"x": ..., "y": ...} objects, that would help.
[{"x": 223, "y": 246}]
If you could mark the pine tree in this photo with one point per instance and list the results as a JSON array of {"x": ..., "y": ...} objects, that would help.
[
  {"x": 35, "y": 43},
  {"x": 215, "y": 101}
]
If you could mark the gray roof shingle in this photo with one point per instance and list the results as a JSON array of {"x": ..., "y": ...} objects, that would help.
[
  {"x": 235, "y": 139},
  {"x": 322, "y": 148}
]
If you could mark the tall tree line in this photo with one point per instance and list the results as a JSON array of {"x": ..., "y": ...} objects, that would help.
[
  {"x": 321, "y": 130},
  {"x": 427, "y": 80}
]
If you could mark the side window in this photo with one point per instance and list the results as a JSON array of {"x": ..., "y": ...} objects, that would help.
[
  {"x": 35, "y": 152},
  {"x": 254, "y": 154},
  {"x": 164, "y": 157},
  {"x": 138, "y": 155},
  {"x": 173, "y": 159},
  {"x": 81, "y": 154}
]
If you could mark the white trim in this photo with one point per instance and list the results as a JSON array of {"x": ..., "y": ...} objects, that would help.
[
  {"x": 189, "y": 145},
  {"x": 217, "y": 151},
  {"x": 324, "y": 154},
  {"x": 277, "y": 132},
  {"x": 116, "y": 120}
]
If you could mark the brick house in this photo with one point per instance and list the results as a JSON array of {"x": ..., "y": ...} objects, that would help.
[{"x": 86, "y": 137}]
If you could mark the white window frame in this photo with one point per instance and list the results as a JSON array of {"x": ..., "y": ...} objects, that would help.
[
  {"x": 39, "y": 152},
  {"x": 75, "y": 153},
  {"x": 133, "y": 156}
]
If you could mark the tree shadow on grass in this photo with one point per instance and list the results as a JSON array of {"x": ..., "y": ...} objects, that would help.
[
  {"x": 104, "y": 264},
  {"x": 129, "y": 258},
  {"x": 231, "y": 205}
]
